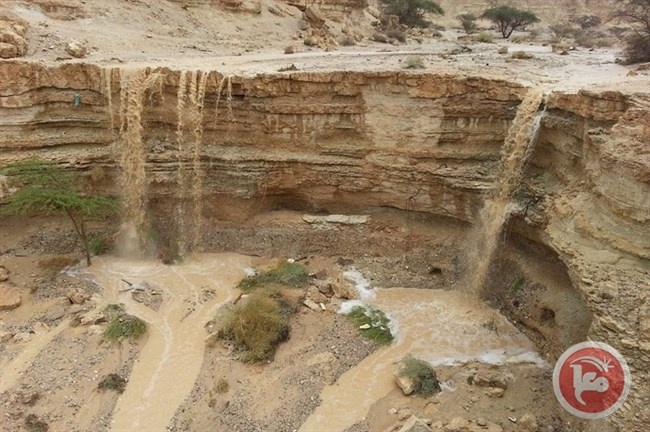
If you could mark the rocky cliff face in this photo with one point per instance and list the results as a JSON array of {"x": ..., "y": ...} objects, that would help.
[{"x": 346, "y": 142}]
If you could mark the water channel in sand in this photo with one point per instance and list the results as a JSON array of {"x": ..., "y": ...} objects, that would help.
[
  {"x": 440, "y": 327},
  {"x": 172, "y": 356}
]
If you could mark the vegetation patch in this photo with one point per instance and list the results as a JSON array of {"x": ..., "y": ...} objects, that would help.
[
  {"x": 415, "y": 62},
  {"x": 112, "y": 382},
  {"x": 412, "y": 13},
  {"x": 286, "y": 274},
  {"x": 374, "y": 324},
  {"x": 421, "y": 374},
  {"x": 34, "y": 424},
  {"x": 518, "y": 284},
  {"x": 125, "y": 326},
  {"x": 257, "y": 325}
]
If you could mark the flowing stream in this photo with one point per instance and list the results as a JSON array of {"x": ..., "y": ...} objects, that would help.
[
  {"x": 172, "y": 356},
  {"x": 440, "y": 327}
]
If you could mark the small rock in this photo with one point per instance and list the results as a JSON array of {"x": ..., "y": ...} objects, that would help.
[
  {"x": 76, "y": 49},
  {"x": 415, "y": 424},
  {"x": 312, "y": 305},
  {"x": 495, "y": 392},
  {"x": 490, "y": 379},
  {"x": 10, "y": 297},
  {"x": 392, "y": 411},
  {"x": 4, "y": 274},
  {"x": 404, "y": 413},
  {"x": 364, "y": 326},
  {"x": 77, "y": 296},
  {"x": 481, "y": 422},
  {"x": 92, "y": 318},
  {"x": 22, "y": 337},
  {"x": 314, "y": 294},
  {"x": 457, "y": 424},
  {"x": 527, "y": 423}
]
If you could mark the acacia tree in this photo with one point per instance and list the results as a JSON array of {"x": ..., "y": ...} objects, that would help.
[
  {"x": 638, "y": 13},
  {"x": 411, "y": 12},
  {"x": 508, "y": 19},
  {"x": 44, "y": 187}
]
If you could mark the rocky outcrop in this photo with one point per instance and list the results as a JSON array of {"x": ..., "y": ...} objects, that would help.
[{"x": 13, "y": 35}]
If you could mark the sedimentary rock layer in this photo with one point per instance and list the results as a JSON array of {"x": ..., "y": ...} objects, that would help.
[{"x": 349, "y": 141}]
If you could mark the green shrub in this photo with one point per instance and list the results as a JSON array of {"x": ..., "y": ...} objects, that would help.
[
  {"x": 518, "y": 284},
  {"x": 98, "y": 245},
  {"x": 414, "y": 62},
  {"x": 257, "y": 325},
  {"x": 422, "y": 375},
  {"x": 468, "y": 21},
  {"x": 125, "y": 326},
  {"x": 484, "y": 37},
  {"x": 112, "y": 382},
  {"x": 379, "y": 330},
  {"x": 286, "y": 274}
]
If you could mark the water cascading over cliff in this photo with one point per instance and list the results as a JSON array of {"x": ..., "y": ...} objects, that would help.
[
  {"x": 517, "y": 147},
  {"x": 132, "y": 159}
]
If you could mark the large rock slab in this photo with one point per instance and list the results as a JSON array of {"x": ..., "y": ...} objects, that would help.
[{"x": 10, "y": 297}]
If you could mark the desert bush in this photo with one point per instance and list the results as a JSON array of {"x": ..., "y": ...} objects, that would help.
[
  {"x": 587, "y": 21},
  {"x": 637, "y": 13},
  {"x": 112, "y": 382},
  {"x": 289, "y": 49},
  {"x": 286, "y": 274},
  {"x": 380, "y": 37},
  {"x": 347, "y": 40},
  {"x": 257, "y": 325},
  {"x": 395, "y": 33},
  {"x": 221, "y": 386},
  {"x": 412, "y": 12},
  {"x": 468, "y": 22},
  {"x": 484, "y": 37},
  {"x": 591, "y": 39},
  {"x": 414, "y": 62},
  {"x": 564, "y": 30},
  {"x": 34, "y": 424},
  {"x": 503, "y": 50},
  {"x": 522, "y": 55},
  {"x": 98, "y": 245},
  {"x": 125, "y": 326},
  {"x": 378, "y": 330},
  {"x": 637, "y": 49},
  {"x": 421, "y": 374}
]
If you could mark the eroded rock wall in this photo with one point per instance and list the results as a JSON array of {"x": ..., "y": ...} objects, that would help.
[{"x": 352, "y": 141}]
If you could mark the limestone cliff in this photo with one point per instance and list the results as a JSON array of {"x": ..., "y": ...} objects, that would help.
[{"x": 350, "y": 141}]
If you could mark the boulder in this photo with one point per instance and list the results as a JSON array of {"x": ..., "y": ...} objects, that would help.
[
  {"x": 9, "y": 297},
  {"x": 407, "y": 385},
  {"x": 312, "y": 305},
  {"x": 415, "y": 424},
  {"x": 490, "y": 379},
  {"x": 312, "y": 16},
  {"x": 76, "y": 49},
  {"x": 77, "y": 296}
]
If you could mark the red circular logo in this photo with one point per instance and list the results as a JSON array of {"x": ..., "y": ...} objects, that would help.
[{"x": 591, "y": 380}]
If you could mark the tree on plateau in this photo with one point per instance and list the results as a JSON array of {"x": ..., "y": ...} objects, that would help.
[{"x": 508, "y": 19}]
